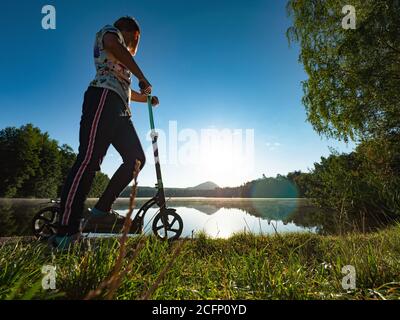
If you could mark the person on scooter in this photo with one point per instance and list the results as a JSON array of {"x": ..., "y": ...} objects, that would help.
[{"x": 105, "y": 121}]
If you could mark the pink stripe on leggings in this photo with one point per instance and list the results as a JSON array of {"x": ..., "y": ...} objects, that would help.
[{"x": 88, "y": 156}]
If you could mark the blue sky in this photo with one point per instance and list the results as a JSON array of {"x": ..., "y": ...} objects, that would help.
[{"x": 213, "y": 64}]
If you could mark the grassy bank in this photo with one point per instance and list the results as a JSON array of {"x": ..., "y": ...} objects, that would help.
[{"x": 291, "y": 266}]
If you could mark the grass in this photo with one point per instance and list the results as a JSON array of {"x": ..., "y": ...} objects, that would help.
[{"x": 289, "y": 266}]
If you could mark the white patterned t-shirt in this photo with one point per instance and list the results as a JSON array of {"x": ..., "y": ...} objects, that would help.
[{"x": 110, "y": 73}]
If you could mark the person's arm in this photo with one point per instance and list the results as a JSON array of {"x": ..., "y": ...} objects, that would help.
[
  {"x": 139, "y": 97},
  {"x": 112, "y": 45}
]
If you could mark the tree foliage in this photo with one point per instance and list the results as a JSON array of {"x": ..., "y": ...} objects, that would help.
[
  {"x": 358, "y": 184},
  {"x": 352, "y": 92},
  {"x": 33, "y": 165},
  {"x": 354, "y": 75},
  {"x": 271, "y": 187},
  {"x": 100, "y": 183}
]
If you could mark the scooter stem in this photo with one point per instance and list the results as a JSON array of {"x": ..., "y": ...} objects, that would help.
[
  {"x": 150, "y": 107},
  {"x": 154, "y": 138}
]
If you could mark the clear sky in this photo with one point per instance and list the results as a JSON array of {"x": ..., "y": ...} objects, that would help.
[{"x": 213, "y": 64}]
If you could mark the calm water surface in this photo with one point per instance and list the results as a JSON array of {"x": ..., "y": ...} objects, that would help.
[{"x": 217, "y": 217}]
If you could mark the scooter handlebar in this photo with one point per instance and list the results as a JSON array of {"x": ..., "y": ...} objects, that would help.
[{"x": 142, "y": 85}]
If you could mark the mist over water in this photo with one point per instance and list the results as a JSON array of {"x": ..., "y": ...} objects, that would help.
[{"x": 217, "y": 217}]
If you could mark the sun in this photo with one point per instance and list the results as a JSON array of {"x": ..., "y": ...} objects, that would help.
[{"x": 223, "y": 163}]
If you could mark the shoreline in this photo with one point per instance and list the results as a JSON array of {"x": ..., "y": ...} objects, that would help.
[{"x": 291, "y": 266}]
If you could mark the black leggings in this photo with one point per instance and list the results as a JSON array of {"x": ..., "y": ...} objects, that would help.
[{"x": 102, "y": 123}]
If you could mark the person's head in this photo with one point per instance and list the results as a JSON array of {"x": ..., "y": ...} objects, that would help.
[{"x": 130, "y": 30}]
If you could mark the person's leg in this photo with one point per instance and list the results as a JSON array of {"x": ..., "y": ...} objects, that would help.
[
  {"x": 94, "y": 137},
  {"x": 127, "y": 143}
]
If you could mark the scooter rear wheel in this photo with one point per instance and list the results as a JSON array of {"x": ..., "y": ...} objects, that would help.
[
  {"x": 168, "y": 225},
  {"x": 44, "y": 223}
]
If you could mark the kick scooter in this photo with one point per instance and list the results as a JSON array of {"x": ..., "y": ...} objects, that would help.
[{"x": 167, "y": 224}]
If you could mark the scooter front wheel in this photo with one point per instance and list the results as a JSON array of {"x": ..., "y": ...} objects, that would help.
[
  {"x": 168, "y": 225},
  {"x": 44, "y": 223}
]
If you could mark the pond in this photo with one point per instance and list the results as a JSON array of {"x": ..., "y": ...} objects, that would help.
[{"x": 217, "y": 217}]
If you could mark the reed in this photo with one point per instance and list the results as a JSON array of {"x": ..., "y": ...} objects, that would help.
[
  {"x": 245, "y": 266},
  {"x": 112, "y": 283}
]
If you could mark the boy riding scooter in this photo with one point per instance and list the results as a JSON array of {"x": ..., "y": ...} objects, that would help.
[{"x": 105, "y": 121}]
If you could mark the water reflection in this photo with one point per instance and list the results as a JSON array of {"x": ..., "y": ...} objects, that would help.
[
  {"x": 217, "y": 217},
  {"x": 16, "y": 216}
]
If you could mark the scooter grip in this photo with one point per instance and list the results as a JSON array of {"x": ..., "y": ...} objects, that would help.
[{"x": 142, "y": 84}]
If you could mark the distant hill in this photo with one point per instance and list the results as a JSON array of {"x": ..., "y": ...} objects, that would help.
[
  {"x": 209, "y": 185},
  {"x": 279, "y": 187},
  {"x": 202, "y": 190}
]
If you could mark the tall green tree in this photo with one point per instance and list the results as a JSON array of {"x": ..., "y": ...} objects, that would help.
[
  {"x": 352, "y": 93},
  {"x": 100, "y": 183},
  {"x": 67, "y": 159},
  {"x": 352, "y": 90},
  {"x": 43, "y": 183},
  {"x": 19, "y": 157},
  {"x": 34, "y": 165}
]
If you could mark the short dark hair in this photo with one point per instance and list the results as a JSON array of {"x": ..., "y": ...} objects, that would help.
[{"x": 127, "y": 23}]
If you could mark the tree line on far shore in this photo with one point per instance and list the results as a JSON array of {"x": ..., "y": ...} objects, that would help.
[
  {"x": 351, "y": 94},
  {"x": 364, "y": 183},
  {"x": 32, "y": 165}
]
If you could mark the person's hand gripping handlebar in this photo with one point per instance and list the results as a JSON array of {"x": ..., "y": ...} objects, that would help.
[{"x": 145, "y": 88}]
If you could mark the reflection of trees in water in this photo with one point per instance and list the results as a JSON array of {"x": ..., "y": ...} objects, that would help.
[
  {"x": 300, "y": 212},
  {"x": 332, "y": 223},
  {"x": 268, "y": 210},
  {"x": 8, "y": 226},
  {"x": 15, "y": 218},
  {"x": 206, "y": 208}
]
